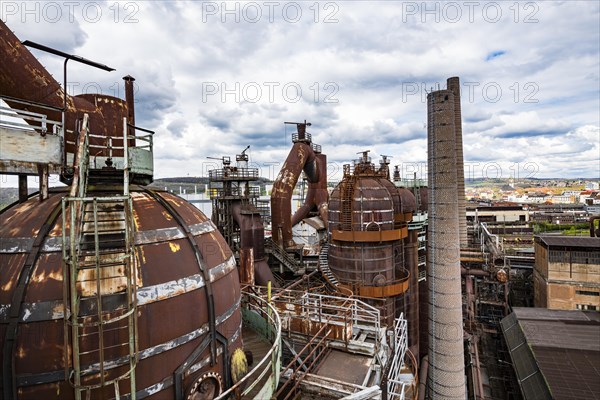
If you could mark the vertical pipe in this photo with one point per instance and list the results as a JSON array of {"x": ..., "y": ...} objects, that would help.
[
  {"x": 125, "y": 159},
  {"x": 130, "y": 101},
  {"x": 129, "y": 98},
  {"x": 454, "y": 86},
  {"x": 412, "y": 255},
  {"x": 446, "y": 378}
]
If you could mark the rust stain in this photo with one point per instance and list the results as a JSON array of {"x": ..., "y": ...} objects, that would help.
[
  {"x": 44, "y": 276},
  {"x": 215, "y": 240},
  {"x": 167, "y": 216}
]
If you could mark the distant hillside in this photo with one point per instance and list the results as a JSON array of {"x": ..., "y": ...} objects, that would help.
[
  {"x": 10, "y": 195},
  {"x": 191, "y": 184}
]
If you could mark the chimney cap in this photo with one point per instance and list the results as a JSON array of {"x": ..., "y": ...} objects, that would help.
[{"x": 128, "y": 78}]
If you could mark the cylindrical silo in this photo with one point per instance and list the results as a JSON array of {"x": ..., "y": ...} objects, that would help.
[
  {"x": 368, "y": 223},
  {"x": 446, "y": 355}
]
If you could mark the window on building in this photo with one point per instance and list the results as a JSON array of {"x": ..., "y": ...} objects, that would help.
[
  {"x": 587, "y": 307},
  {"x": 587, "y": 293}
]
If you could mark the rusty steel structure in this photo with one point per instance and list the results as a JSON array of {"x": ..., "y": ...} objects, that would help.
[
  {"x": 22, "y": 77},
  {"x": 368, "y": 219},
  {"x": 446, "y": 373},
  {"x": 304, "y": 156},
  {"x": 237, "y": 217},
  {"x": 109, "y": 289}
]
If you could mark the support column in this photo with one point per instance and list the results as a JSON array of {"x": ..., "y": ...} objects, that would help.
[
  {"x": 23, "y": 194},
  {"x": 43, "y": 177}
]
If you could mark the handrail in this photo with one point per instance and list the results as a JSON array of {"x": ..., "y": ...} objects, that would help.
[
  {"x": 32, "y": 117},
  {"x": 233, "y": 173},
  {"x": 270, "y": 359},
  {"x": 396, "y": 388},
  {"x": 30, "y": 103}
]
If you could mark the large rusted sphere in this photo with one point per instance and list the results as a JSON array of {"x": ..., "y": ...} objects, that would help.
[{"x": 172, "y": 311}]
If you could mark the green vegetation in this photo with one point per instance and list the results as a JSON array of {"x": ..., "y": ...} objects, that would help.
[{"x": 580, "y": 229}]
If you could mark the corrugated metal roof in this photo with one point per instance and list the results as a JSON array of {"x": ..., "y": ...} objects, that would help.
[
  {"x": 561, "y": 345},
  {"x": 569, "y": 241}
]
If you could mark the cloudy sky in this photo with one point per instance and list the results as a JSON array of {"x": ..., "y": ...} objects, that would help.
[{"x": 214, "y": 77}]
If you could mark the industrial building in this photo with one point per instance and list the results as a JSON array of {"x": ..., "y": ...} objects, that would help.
[
  {"x": 567, "y": 272},
  {"x": 553, "y": 354}
]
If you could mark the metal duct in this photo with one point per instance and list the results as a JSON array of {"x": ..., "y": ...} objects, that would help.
[
  {"x": 301, "y": 158},
  {"x": 317, "y": 195},
  {"x": 446, "y": 378},
  {"x": 252, "y": 236},
  {"x": 454, "y": 86}
]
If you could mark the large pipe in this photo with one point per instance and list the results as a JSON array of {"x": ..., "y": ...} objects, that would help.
[
  {"x": 317, "y": 195},
  {"x": 301, "y": 158},
  {"x": 252, "y": 236},
  {"x": 454, "y": 86},
  {"x": 446, "y": 378}
]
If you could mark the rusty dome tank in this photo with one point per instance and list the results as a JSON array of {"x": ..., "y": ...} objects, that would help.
[
  {"x": 368, "y": 219},
  {"x": 187, "y": 303},
  {"x": 107, "y": 289}
]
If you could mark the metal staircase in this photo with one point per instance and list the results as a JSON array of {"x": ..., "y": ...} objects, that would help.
[
  {"x": 99, "y": 285},
  {"x": 347, "y": 193},
  {"x": 283, "y": 256},
  {"x": 324, "y": 267}
]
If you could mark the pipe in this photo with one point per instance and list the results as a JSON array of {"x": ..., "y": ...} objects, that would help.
[
  {"x": 317, "y": 195},
  {"x": 446, "y": 379},
  {"x": 423, "y": 377},
  {"x": 474, "y": 272},
  {"x": 252, "y": 236},
  {"x": 453, "y": 85},
  {"x": 301, "y": 158},
  {"x": 129, "y": 98}
]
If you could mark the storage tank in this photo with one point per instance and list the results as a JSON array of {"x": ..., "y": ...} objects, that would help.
[
  {"x": 183, "y": 267},
  {"x": 107, "y": 289},
  {"x": 368, "y": 219}
]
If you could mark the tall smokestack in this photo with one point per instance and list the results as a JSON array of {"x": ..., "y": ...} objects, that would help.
[
  {"x": 446, "y": 378},
  {"x": 454, "y": 86}
]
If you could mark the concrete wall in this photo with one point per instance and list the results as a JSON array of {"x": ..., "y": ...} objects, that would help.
[{"x": 562, "y": 282}]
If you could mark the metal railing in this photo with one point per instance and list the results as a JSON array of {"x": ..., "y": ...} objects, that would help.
[
  {"x": 39, "y": 122},
  {"x": 102, "y": 147},
  {"x": 237, "y": 191},
  {"x": 341, "y": 311},
  {"x": 271, "y": 362},
  {"x": 410, "y": 183},
  {"x": 397, "y": 388},
  {"x": 296, "y": 138},
  {"x": 233, "y": 173}
]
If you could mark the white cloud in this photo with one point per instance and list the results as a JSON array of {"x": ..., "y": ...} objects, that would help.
[{"x": 363, "y": 77}]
